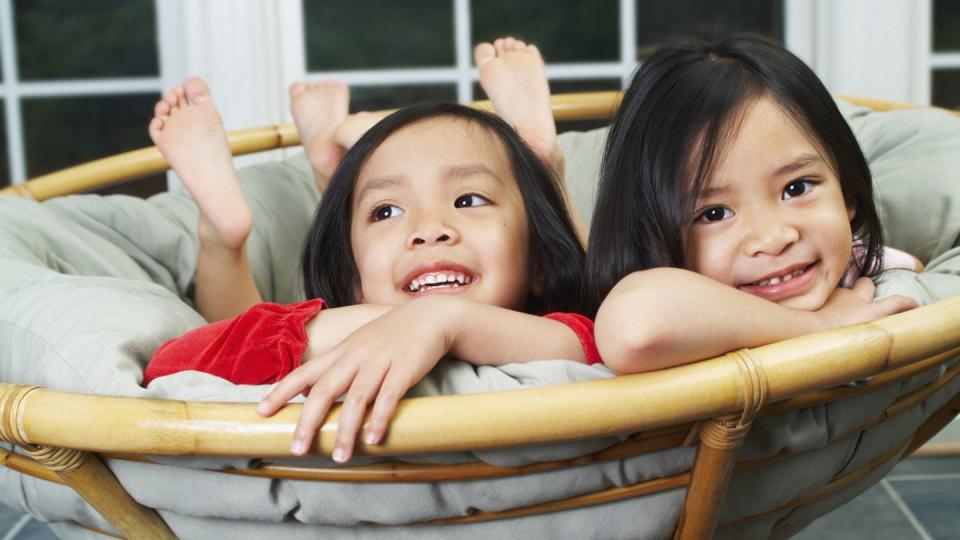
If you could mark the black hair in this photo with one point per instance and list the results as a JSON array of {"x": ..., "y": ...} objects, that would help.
[
  {"x": 556, "y": 255},
  {"x": 679, "y": 110}
]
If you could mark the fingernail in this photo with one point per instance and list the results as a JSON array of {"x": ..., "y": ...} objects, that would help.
[
  {"x": 339, "y": 455},
  {"x": 262, "y": 408},
  {"x": 298, "y": 447},
  {"x": 370, "y": 438}
]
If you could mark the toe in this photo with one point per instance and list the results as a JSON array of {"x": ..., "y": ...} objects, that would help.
[
  {"x": 483, "y": 53},
  {"x": 162, "y": 108},
  {"x": 297, "y": 88},
  {"x": 155, "y": 128},
  {"x": 196, "y": 90}
]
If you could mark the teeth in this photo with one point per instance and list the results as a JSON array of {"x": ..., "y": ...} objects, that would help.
[
  {"x": 456, "y": 279},
  {"x": 778, "y": 279}
]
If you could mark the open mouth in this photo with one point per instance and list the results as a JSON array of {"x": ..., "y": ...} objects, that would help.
[
  {"x": 788, "y": 283},
  {"x": 776, "y": 280},
  {"x": 429, "y": 281}
]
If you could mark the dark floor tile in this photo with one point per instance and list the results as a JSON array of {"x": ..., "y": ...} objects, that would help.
[
  {"x": 872, "y": 515},
  {"x": 935, "y": 503},
  {"x": 35, "y": 530},
  {"x": 926, "y": 466},
  {"x": 8, "y": 518}
]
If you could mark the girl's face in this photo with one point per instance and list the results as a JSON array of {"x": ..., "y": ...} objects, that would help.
[
  {"x": 772, "y": 221},
  {"x": 436, "y": 210}
]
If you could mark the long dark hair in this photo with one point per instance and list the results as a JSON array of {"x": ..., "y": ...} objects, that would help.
[
  {"x": 556, "y": 256},
  {"x": 685, "y": 102}
]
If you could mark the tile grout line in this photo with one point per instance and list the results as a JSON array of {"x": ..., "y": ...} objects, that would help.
[
  {"x": 17, "y": 527},
  {"x": 918, "y": 477},
  {"x": 906, "y": 510}
]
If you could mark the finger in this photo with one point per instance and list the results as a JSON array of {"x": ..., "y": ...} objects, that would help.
[
  {"x": 298, "y": 381},
  {"x": 895, "y": 304},
  {"x": 361, "y": 393},
  {"x": 391, "y": 391},
  {"x": 315, "y": 409}
]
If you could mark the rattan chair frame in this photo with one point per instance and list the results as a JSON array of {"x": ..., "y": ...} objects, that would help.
[{"x": 712, "y": 402}]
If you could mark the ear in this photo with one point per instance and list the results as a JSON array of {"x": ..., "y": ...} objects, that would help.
[{"x": 851, "y": 212}]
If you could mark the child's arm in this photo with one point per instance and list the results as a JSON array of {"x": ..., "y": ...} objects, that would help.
[
  {"x": 379, "y": 362},
  {"x": 664, "y": 317}
]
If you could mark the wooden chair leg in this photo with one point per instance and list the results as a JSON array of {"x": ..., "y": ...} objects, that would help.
[
  {"x": 720, "y": 441},
  {"x": 84, "y": 472},
  {"x": 92, "y": 480}
]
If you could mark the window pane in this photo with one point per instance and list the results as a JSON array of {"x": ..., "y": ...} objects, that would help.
[
  {"x": 67, "y": 40},
  {"x": 375, "y": 98},
  {"x": 378, "y": 33},
  {"x": 65, "y": 131},
  {"x": 661, "y": 19},
  {"x": 946, "y": 25},
  {"x": 569, "y": 31},
  {"x": 946, "y": 88}
]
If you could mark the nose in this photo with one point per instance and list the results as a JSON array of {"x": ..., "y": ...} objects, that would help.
[
  {"x": 432, "y": 230},
  {"x": 770, "y": 235}
]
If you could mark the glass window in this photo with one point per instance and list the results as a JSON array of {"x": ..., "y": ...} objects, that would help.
[
  {"x": 64, "y": 131},
  {"x": 946, "y": 88},
  {"x": 569, "y": 31},
  {"x": 375, "y": 98},
  {"x": 377, "y": 34},
  {"x": 66, "y": 40},
  {"x": 658, "y": 20},
  {"x": 946, "y": 25}
]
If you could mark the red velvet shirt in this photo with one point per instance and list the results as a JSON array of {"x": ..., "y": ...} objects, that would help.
[{"x": 266, "y": 342}]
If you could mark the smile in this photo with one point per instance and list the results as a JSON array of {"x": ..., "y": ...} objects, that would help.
[
  {"x": 437, "y": 280},
  {"x": 784, "y": 284},
  {"x": 777, "y": 279}
]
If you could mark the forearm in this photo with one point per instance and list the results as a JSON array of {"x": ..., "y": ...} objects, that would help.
[
  {"x": 331, "y": 326},
  {"x": 666, "y": 316},
  {"x": 488, "y": 335},
  {"x": 224, "y": 284}
]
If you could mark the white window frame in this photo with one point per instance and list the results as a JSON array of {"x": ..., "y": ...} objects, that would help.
[{"x": 13, "y": 91}]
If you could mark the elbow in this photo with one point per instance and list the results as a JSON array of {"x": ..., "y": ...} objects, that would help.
[{"x": 632, "y": 335}]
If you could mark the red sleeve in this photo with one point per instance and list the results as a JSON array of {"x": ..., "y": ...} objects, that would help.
[
  {"x": 583, "y": 327},
  {"x": 259, "y": 346}
]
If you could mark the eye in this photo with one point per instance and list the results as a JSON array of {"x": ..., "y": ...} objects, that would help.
[
  {"x": 717, "y": 213},
  {"x": 797, "y": 188},
  {"x": 385, "y": 211},
  {"x": 470, "y": 200}
]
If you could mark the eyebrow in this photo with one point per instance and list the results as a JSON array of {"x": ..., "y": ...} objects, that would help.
[
  {"x": 382, "y": 183},
  {"x": 801, "y": 162},
  {"x": 455, "y": 172},
  {"x": 463, "y": 171}
]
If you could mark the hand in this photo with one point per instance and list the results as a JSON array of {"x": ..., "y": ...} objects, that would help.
[
  {"x": 856, "y": 305},
  {"x": 376, "y": 363}
]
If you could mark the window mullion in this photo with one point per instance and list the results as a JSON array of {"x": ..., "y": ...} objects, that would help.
[
  {"x": 11, "y": 95},
  {"x": 462, "y": 50},
  {"x": 628, "y": 40}
]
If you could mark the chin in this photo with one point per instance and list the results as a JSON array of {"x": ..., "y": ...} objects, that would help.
[{"x": 804, "y": 303}]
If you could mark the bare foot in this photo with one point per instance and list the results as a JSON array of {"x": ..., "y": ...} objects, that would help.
[
  {"x": 513, "y": 76},
  {"x": 350, "y": 131},
  {"x": 189, "y": 132},
  {"x": 318, "y": 108}
]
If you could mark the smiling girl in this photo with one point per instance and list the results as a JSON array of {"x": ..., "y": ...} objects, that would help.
[
  {"x": 441, "y": 233},
  {"x": 735, "y": 206}
]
